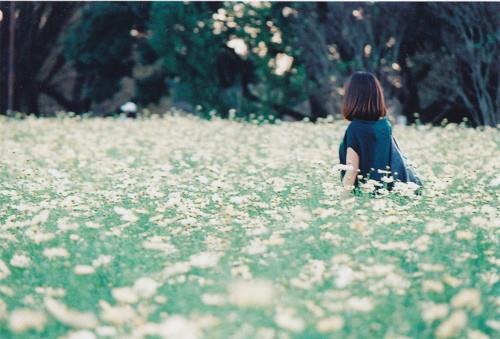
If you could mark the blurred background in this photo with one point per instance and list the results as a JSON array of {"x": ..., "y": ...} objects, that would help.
[{"x": 288, "y": 60}]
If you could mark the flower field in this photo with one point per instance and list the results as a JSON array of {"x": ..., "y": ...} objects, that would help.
[{"x": 180, "y": 228}]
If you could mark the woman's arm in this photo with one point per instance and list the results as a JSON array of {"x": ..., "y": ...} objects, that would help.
[{"x": 352, "y": 162}]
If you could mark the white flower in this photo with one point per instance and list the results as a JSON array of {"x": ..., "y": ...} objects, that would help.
[
  {"x": 106, "y": 331},
  {"x": 125, "y": 295},
  {"x": 20, "y": 260},
  {"x": 432, "y": 286},
  {"x": 412, "y": 186},
  {"x": 289, "y": 322},
  {"x": 387, "y": 179},
  {"x": 330, "y": 324},
  {"x": 422, "y": 243},
  {"x": 360, "y": 304},
  {"x": 91, "y": 224},
  {"x": 341, "y": 167},
  {"x": 38, "y": 236},
  {"x": 55, "y": 252},
  {"x": 83, "y": 269},
  {"x": 21, "y": 320},
  {"x": 68, "y": 316},
  {"x": 159, "y": 243},
  {"x": 253, "y": 293},
  {"x": 238, "y": 45},
  {"x": 4, "y": 270},
  {"x": 102, "y": 260},
  {"x": 494, "y": 324},
  {"x": 467, "y": 298},
  {"x": 81, "y": 334},
  {"x": 41, "y": 218},
  {"x": 213, "y": 299},
  {"x": 452, "y": 326},
  {"x": 145, "y": 287},
  {"x": 476, "y": 334},
  {"x": 178, "y": 327},
  {"x": 495, "y": 182},
  {"x": 464, "y": 235},
  {"x": 392, "y": 246},
  {"x": 344, "y": 277},
  {"x": 283, "y": 62},
  {"x": 116, "y": 315},
  {"x": 204, "y": 259},
  {"x": 64, "y": 225},
  {"x": 435, "y": 226},
  {"x": 125, "y": 214},
  {"x": 56, "y": 174},
  {"x": 432, "y": 312}
]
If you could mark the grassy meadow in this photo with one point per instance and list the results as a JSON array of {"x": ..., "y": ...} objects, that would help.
[{"x": 177, "y": 227}]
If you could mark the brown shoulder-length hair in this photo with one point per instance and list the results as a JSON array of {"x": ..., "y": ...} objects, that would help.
[{"x": 363, "y": 98}]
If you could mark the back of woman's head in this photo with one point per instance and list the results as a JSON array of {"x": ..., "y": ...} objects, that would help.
[{"x": 363, "y": 98}]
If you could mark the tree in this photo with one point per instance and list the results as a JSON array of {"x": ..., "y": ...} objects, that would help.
[
  {"x": 256, "y": 58},
  {"x": 38, "y": 26},
  {"x": 337, "y": 39},
  {"x": 471, "y": 43},
  {"x": 100, "y": 47},
  {"x": 307, "y": 27},
  {"x": 227, "y": 56}
]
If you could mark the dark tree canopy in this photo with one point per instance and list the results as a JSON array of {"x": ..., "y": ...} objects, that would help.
[
  {"x": 100, "y": 45},
  {"x": 270, "y": 59},
  {"x": 38, "y": 56}
]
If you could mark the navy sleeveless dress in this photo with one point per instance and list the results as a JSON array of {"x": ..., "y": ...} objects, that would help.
[
  {"x": 377, "y": 150},
  {"x": 371, "y": 139}
]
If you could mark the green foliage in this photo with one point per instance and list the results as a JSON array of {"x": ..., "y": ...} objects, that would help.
[
  {"x": 150, "y": 89},
  {"x": 100, "y": 45},
  {"x": 225, "y": 57},
  {"x": 191, "y": 40},
  {"x": 186, "y": 55}
]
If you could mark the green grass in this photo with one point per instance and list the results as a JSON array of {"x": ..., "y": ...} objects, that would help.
[{"x": 231, "y": 202}]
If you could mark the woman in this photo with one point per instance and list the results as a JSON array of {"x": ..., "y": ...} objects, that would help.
[{"x": 367, "y": 146}]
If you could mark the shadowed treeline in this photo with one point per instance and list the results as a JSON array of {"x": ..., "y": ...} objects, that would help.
[{"x": 275, "y": 60}]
